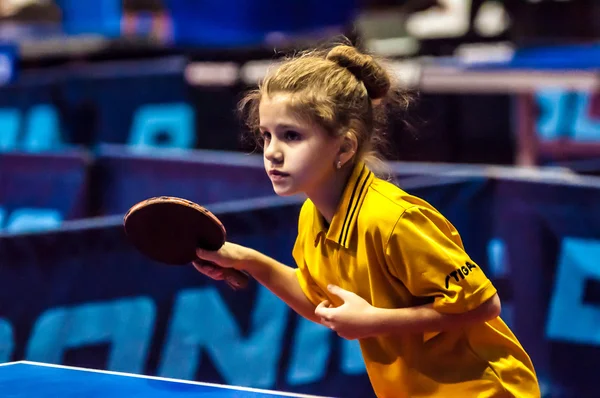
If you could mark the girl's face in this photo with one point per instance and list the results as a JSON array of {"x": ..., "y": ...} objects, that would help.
[{"x": 299, "y": 157}]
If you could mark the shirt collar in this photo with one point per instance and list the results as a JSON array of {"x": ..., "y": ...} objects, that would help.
[{"x": 346, "y": 215}]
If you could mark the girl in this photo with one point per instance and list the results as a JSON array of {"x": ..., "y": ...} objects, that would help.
[{"x": 373, "y": 262}]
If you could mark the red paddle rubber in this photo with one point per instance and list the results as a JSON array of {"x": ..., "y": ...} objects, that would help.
[{"x": 169, "y": 230}]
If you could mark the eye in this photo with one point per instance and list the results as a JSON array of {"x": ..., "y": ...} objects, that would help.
[
  {"x": 292, "y": 136},
  {"x": 266, "y": 136}
]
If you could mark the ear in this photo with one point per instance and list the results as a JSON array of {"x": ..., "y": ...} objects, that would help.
[{"x": 348, "y": 148}]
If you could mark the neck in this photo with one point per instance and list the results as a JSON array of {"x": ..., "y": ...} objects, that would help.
[{"x": 326, "y": 197}]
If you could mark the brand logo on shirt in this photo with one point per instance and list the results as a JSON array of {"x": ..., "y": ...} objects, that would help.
[{"x": 460, "y": 273}]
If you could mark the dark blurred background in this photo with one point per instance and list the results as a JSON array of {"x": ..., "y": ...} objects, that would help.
[{"x": 73, "y": 56}]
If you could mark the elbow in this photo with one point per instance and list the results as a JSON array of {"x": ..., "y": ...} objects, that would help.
[{"x": 493, "y": 308}]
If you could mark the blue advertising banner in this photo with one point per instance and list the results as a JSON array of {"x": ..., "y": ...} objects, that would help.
[
  {"x": 87, "y": 298},
  {"x": 41, "y": 190},
  {"x": 550, "y": 235},
  {"x": 8, "y": 63},
  {"x": 127, "y": 176},
  {"x": 136, "y": 102}
]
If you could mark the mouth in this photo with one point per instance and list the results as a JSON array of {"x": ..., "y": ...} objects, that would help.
[
  {"x": 277, "y": 173},
  {"x": 277, "y": 176}
]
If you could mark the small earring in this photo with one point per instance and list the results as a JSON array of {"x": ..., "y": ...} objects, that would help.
[{"x": 339, "y": 164}]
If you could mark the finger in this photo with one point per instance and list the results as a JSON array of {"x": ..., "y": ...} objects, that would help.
[
  {"x": 209, "y": 270},
  {"x": 328, "y": 324},
  {"x": 323, "y": 304},
  {"x": 206, "y": 254},
  {"x": 213, "y": 275},
  {"x": 323, "y": 310},
  {"x": 213, "y": 271},
  {"x": 203, "y": 266},
  {"x": 341, "y": 293}
]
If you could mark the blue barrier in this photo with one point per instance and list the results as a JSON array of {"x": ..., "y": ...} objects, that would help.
[
  {"x": 552, "y": 238},
  {"x": 94, "y": 301},
  {"x": 40, "y": 190},
  {"x": 163, "y": 125},
  {"x": 99, "y": 102},
  {"x": 128, "y": 176},
  {"x": 567, "y": 115}
]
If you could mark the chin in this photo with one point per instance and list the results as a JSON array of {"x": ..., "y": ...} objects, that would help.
[{"x": 284, "y": 191}]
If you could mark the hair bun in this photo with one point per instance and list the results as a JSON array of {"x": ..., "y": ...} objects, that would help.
[{"x": 364, "y": 67}]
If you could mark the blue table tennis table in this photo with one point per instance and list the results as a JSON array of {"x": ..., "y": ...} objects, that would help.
[{"x": 38, "y": 380}]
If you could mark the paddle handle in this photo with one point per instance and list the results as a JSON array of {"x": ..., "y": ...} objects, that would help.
[{"x": 234, "y": 278}]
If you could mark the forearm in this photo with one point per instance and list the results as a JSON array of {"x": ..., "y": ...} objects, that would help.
[
  {"x": 425, "y": 318},
  {"x": 281, "y": 280}
]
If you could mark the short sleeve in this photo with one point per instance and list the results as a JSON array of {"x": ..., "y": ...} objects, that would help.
[{"x": 425, "y": 252}]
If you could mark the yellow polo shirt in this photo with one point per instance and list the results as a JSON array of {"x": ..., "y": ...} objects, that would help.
[{"x": 395, "y": 250}]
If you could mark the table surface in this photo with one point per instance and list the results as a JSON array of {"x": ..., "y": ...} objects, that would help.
[{"x": 39, "y": 380}]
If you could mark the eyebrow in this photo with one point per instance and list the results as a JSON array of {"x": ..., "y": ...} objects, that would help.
[{"x": 281, "y": 126}]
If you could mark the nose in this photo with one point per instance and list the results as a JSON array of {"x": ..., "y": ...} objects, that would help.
[{"x": 272, "y": 152}]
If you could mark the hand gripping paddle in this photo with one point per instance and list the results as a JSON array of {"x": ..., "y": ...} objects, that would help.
[{"x": 169, "y": 230}]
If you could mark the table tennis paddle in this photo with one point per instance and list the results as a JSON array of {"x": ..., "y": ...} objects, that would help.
[{"x": 169, "y": 230}]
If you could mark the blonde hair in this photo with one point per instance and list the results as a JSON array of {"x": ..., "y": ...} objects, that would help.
[{"x": 341, "y": 89}]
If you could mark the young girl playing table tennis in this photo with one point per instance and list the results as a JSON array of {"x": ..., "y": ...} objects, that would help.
[{"x": 373, "y": 262}]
